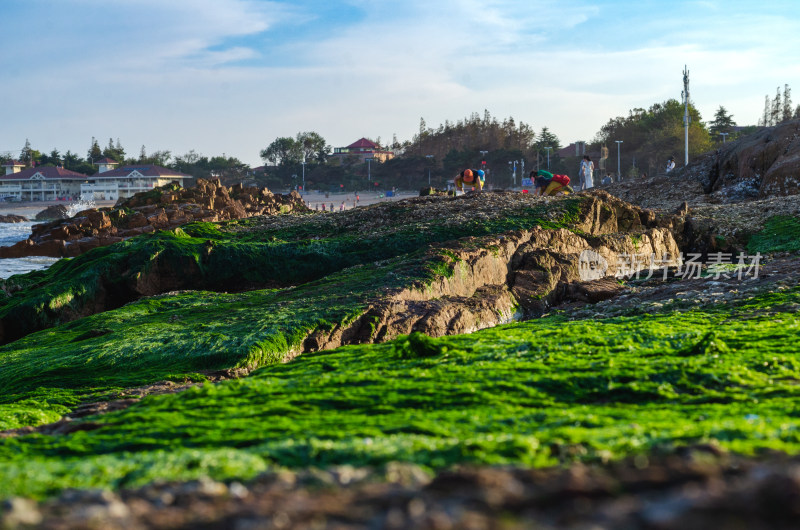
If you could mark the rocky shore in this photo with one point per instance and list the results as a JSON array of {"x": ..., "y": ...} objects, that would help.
[
  {"x": 162, "y": 208},
  {"x": 632, "y": 389}
]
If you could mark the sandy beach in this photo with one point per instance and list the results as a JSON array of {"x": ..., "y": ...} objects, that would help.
[{"x": 347, "y": 201}]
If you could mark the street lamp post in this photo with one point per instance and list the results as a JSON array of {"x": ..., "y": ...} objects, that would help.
[
  {"x": 512, "y": 165},
  {"x": 369, "y": 175},
  {"x": 429, "y": 157},
  {"x": 483, "y": 160},
  {"x": 304, "y": 174},
  {"x": 619, "y": 174},
  {"x": 548, "y": 157},
  {"x": 724, "y": 135}
]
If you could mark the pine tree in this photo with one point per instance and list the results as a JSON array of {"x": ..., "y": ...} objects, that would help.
[
  {"x": 787, "y": 103},
  {"x": 26, "y": 154},
  {"x": 764, "y": 121},
  {"x": 94, "y": 152},
  {"x": 775, "y": 112},
  {"x": 723, "y": 122}
]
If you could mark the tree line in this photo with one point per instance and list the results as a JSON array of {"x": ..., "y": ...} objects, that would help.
[
  {"x": 778, "y": 109},
  {"x": 434, "y": 154},
  {"x": 644, "y": 139}
]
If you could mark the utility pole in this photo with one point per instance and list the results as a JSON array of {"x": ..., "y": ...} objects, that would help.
[
  {"x": 619, "y": 173},
  {"x": 686, "y": 118},
  {"x": 429, "y": 157},
  {"x": 304, "y": 174},
  {"x": 483, "y": 163},
  {"x": 548, "y": 157},
  {"x": 512, "y": 165}
]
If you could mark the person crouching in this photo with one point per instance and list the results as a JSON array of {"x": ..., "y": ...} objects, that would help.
[
  {"x": 470, "y": 178},
  {"x": 548, "y": 184}
]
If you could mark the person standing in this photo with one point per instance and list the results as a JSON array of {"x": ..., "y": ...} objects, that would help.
[
  {"x": 670, "y": 164},
  {"x": 586, "y": 172}
]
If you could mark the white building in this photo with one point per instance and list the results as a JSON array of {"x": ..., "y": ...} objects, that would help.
[
  {"x": 120, "y": 183},
  {"x": 39, "y": 183},
  {"x": 55, "y": 183}
]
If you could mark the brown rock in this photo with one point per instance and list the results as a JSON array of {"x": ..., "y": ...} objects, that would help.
[{"x": 13, "y": 219}]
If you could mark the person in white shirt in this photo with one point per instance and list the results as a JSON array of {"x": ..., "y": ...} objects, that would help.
[
  {"x": 670, "y": 164},
  {"x": 585, "y": 172}
]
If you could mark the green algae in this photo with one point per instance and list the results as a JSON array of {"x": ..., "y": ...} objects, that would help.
[
  {"x": 781, "y": 233},
  {"x": 241, "y": 255},
  {"x": 533, "y": 393}
]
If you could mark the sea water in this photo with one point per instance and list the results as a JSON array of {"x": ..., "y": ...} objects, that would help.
[{"x": 10, "y": 233}]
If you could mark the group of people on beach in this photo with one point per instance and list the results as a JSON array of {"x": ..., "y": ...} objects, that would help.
[{"x": 546, "y": 183}]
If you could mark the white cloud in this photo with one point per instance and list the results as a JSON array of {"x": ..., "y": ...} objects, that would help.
[{"x": 169, "y": 74}]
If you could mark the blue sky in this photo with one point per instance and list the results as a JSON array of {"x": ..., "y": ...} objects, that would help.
[{"x": 229, "y": 76}]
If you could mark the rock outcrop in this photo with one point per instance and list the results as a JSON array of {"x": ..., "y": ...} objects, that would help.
[
  {"x": 521, "y": 274},
  {"x": 56, "y": 211},
  {"x": 162, "y": 208},
  {"x": 13, "y": 219}
]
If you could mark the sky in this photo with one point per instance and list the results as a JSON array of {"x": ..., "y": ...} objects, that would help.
[{"x": 230, "y": 76}]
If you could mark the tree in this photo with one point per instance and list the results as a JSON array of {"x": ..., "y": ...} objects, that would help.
[
  {"x": 94, "y": 152},
  {"x": 655, "y": 134},
  {"x": 776, "y": 110},
  {"x": 160, "y": 158},
  {"x": 547, "y": 139},
  {"x": 787, "y": 103},
  {"x": 53, "y": 159},
  {"x": 312, "y": 147},
  {"x": 26, "y": 154},
  {"x": 722, "y": 123},
  {"x": 283, "y": 151},
  {"x": 71, "y": 160},
  {"x": 115, "y": 152}
]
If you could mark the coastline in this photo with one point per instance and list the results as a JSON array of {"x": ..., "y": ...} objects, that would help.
[
  {"x": 31, "y": 209},
  {"x": 313, "y": 199}
]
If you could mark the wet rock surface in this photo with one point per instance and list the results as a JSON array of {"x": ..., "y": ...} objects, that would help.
[
  {"x": 163, "y": 208},
  {"x": 13, "y": 219},
  {"x": 697, "y": 487},
  {"x": 56, "y": 211}
]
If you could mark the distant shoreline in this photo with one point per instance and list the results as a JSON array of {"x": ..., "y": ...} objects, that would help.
[
  {"x": 30, "y": 209},
  {"x": 313, "y": 199}
]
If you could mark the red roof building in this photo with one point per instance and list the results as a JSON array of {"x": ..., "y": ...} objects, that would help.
[
  {"x": 362, "y": 150},
  {"x": 13, "y": 166},
  {"x": 105, "y": 164}
]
